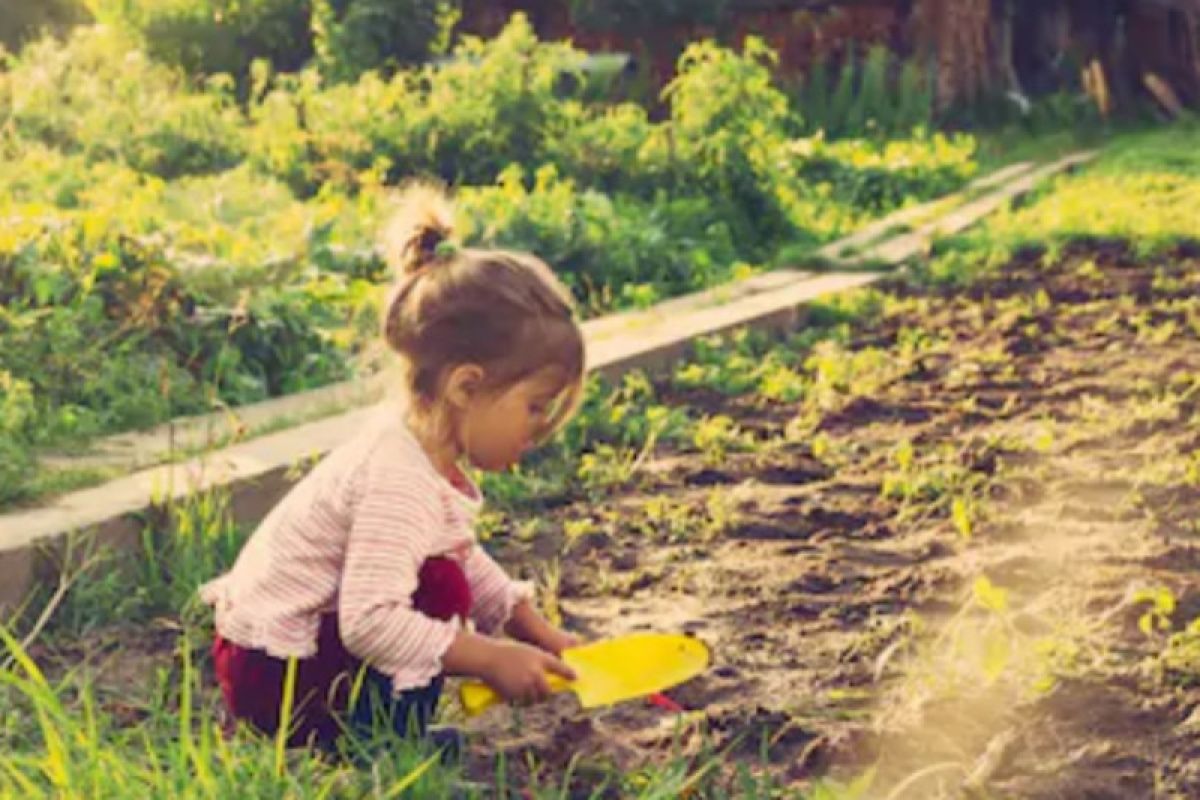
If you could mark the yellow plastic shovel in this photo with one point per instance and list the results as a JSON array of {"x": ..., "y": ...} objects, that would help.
[{"x": 613, "y": 670}]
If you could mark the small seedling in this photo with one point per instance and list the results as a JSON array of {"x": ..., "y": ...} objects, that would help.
[{"x": 1157, "y": 617}]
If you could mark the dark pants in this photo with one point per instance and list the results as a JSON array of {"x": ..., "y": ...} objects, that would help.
[{"x": 335, "y": 692}]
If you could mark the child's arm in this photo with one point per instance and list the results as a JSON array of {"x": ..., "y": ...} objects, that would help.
[
  {"x": 503, "y": 605},
  {"x": 393, "y": 528},
  {"x": 528, "y": 625},
  {"x": 379, "y": 624}
]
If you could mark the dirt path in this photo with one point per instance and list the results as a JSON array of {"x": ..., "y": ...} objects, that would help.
[{"x": 1052, "y": 416}]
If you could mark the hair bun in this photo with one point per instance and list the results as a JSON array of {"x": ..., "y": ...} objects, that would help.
[{"x": 420, "y": 231}]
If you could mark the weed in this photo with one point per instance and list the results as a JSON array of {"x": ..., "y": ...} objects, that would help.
[
  {"x": 1179, "y": 663},
  {"x": 716, "y": 436},
  {"x": 938, "y": 482},
  {"x": 1161, "y": 607},
  {"x": 681, "y": 520}
]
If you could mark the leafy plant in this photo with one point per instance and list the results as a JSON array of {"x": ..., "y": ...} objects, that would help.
[
  {"x": 941, "y": 482},
  {"x": 1161, "y": 607},
  {"x": 214, "y": 36},
  {"x": 715, "y": 436},
  {"x": 353, "y": 36},
  {"x": 1180, "y": 661},
  {"x": 730, "y": 124}
]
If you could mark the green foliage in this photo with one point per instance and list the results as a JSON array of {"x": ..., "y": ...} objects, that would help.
[
  {"x": 187, "y": 543},
  {"x": 174, "y": 244},
  {"x": 491, "y": 105},
  {"x": 937, "y": 482},
  {"x": 597, "y": 242},
  {"x": 878, "y": 95},
  {"x": 730, "y": 126},
  {"x": 67, "y": 742},
  {"x": 615, "y": 148},
  {"x": 873, "y": 106},
  {"x": 814, "y": 98},
  {"x": 744, "y": 362},
  {"x": 102, "y": 327},
  {"x": 206, "y": 37},
  {"x": 1144, "y": 190},
  {"x": 716, "y": 436},
  {"x": 345, "y": 37},
  {"x": 616, "y": 429},
  {"x": 841, "y": 104},
  {"x": 1180, "y": 661},
  {"x": 915, "y": 104},
  {"x": 1160, "y": 607},
  {"x": 883, "y": 176},
  {"x": 99, "y": 96},
  {"x": 354, "y": 36}
]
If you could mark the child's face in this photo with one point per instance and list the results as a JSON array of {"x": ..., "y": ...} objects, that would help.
[{"x": 498, "y": 428}]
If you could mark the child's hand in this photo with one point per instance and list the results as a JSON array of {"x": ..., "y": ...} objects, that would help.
[
  {"x": 555, "y": 640},
  {"x": 529, "y": 626},
  {"x": 518, "y": 672}
]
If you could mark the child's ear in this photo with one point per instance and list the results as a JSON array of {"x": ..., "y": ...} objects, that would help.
[{"x": 463, "y": 385}]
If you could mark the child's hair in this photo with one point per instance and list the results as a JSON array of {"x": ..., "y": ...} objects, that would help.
[{"x": 504, "y": 311}]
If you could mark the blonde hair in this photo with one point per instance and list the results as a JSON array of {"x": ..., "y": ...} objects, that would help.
[{"x": 504, "y": 311}]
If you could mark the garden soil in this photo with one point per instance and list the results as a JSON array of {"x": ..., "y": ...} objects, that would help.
[{"x": 850, "y": 631}]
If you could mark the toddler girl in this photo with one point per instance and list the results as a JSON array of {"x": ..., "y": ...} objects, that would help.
[{"x": 368, "y": 570}]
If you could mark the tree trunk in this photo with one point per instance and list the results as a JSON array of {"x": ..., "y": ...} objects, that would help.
[{"x": 958, "y": 34}]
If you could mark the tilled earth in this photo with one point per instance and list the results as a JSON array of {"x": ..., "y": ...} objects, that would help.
[{"x": 968, "y": 614}]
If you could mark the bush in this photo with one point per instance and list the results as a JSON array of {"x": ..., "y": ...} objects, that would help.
[
  {"x": 600, "y": 243},
  {"x": 490, "y": 106},
  {"x": 615, "y": 149},
  {"x": 98, "y": 95},
  {"x": 355, "y": 36},
  {"x": 109, "y": 336},
  {"x": 729, "y": 130},
  {"x": 345, "y": 38},
  {"x": 170, "y": 244},
  {"x": 207, "y": 37},
  {"x": 464, "y": 119}
]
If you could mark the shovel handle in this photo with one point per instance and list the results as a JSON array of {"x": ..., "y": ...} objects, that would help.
[{"x": 476, "y": 696}]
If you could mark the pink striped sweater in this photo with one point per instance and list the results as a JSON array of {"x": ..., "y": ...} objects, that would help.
[{"x": 351, "y": 537}]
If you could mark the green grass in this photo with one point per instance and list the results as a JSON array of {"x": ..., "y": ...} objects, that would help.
[
  {"x": 70, "y": 747},
  {"x": 1143, "y": 191},
  {"x": 1001, "y": 148},
  {"x": 1145, "y": 188},
  {"x": 60, "y": 742},
  {"x": 50, "y": 482}
]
